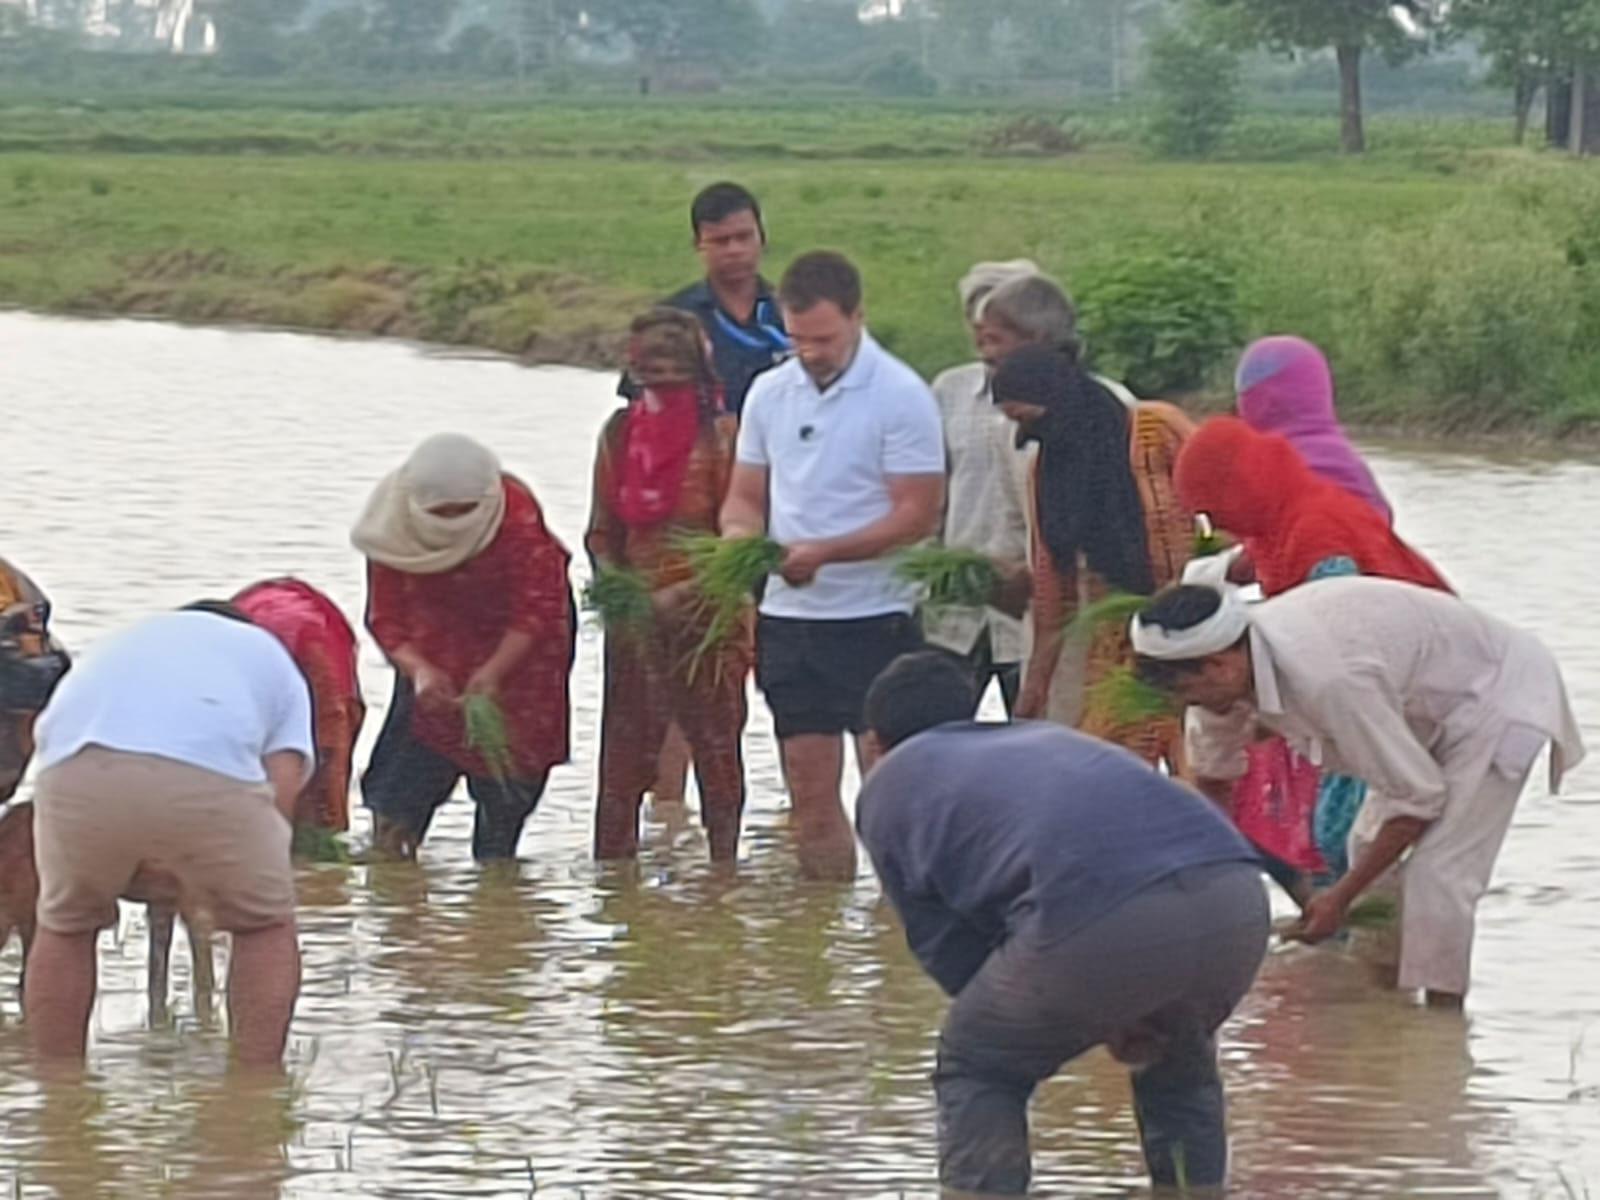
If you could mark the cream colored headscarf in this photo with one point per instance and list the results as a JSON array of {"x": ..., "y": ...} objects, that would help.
[
  {"x": 986, "y": 276},
  {"x": 397, "y": 530}
]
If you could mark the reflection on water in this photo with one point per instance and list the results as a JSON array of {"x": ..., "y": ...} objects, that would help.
[{"x": 562, "y": 1031}]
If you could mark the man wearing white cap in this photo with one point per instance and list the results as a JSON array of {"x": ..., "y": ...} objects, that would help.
[
  {"x": 1440, "y": 708},
  {"x": 986, "y": 499}
]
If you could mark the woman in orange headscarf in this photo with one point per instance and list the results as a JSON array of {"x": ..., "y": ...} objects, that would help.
[
  {"x": 323, "y": 646},
  {"x": 662, "y": 468},
  {"x": 1296, "y": 526}
]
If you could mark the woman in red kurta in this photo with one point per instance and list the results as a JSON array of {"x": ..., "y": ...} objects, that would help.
[
  {"x": 323, "y": 646},
  {"x": 467, "y": 593},
  {"x": 662, "y": 468}
]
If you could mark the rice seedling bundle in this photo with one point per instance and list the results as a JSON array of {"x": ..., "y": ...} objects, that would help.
[
  {"x": 620, "y": 597},
  {"x": 726, "y": 572},
  {"x": 948, "y": 576},
  {"x": 1127, "y": 699},
  {"x": 486, "y": 733}
]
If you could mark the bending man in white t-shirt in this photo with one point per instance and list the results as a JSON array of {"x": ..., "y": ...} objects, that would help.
[
  {"x": 841, "y": 457},
  {"x": 178, "y": 745}
]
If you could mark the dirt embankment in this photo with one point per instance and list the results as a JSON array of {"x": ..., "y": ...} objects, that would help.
[{"x": 539, "y": 316}]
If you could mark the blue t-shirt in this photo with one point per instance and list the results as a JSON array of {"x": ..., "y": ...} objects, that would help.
[
  {"x": 741, "y": 350},
  {"x": 983, "y": 832}
]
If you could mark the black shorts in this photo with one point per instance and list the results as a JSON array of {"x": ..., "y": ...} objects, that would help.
[{"x": 815, "y": 674}]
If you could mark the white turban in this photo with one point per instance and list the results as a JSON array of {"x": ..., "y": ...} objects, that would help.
[
  {"x": 398, "y": 530},
  {"x": 1218, "y": 632},
  {"x": 986, "y": 276}
]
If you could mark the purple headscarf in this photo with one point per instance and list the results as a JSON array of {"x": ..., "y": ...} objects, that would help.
[{"x": 1284, "y": 387}]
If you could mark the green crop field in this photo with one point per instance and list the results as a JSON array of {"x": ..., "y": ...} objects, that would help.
[{"x": 1454, "y": 282}]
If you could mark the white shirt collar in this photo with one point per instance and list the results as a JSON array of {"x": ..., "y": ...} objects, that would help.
[
  {"x": 858, "y": 375},
  {"x": 1269, "y": 697}
]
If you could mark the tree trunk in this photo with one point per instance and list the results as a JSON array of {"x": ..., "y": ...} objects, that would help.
[
  {"x": 1558, "y": 111},
  {"x": 1580, "y": 91},
  {"x": 1527, "y": 88},
  {"x": 1352, "y": 135}
]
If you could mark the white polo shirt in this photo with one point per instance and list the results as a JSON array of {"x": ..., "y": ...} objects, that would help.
[
  {"x": 829, "y": 456},
  {"x": 190, "y": 686}
]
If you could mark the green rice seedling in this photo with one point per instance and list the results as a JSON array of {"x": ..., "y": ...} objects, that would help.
[
  {"x": 1127, "y": 699},
  {"x": 949, "y": 577},
  {"x": 1119, "y": 608},
  {"x": 314, "y": 844},
  {"x": 620, "y": 596},
  {"x": 486, "y": 733},
  {"x": 1373, "y": 912},
  {"x": 726, "y": 572}
]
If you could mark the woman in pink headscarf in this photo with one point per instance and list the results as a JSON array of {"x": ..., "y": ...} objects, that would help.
[{"x": 1284, "y": 387}]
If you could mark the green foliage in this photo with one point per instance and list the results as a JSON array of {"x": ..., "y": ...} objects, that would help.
[
  {"x": 449, "y": 297},
  {"x": 1474, "y": 332},
  {"x": 721, "y": 33},
  {"x": 1373, "y": 912},
  {"x": 726, "y": 572},
  {"x": 314, "y": 844},
  {"x": 253, "y": 36},
  {"x": 1321, "y": 24},
  {"x": 898, "y": 74},
  {"x": 485, "y": 724},
  {"x": 1161, "y": 318},
  {"x": 948, "y": 576},
  {"x": 1118, "y": 608},
  {"x": 536, "y": 226},
  {"x": 1127, "y": 699},
  {"x": 621, "y": 597},
  {"x": 1195, "y": 81}
]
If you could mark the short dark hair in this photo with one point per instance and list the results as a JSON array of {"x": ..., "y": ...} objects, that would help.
[
  {"x": 916, "y": 692},
  {"x": 721, "y": 201},
  {"x": 1176, "y": 608},
  {"x": 818, "y": 276},
  {"x": 219, "y": 608}
]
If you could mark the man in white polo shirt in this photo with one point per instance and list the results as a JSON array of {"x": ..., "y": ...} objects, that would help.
[
  {"x": 841, "y": 457},
  {"x": 180, "y": 746}
]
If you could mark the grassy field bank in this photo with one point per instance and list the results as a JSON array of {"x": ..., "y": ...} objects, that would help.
[{"x": 1456, "y": 285}]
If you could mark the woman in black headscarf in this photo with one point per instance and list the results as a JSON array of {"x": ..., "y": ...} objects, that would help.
[{"x": 1106, "y": 518}]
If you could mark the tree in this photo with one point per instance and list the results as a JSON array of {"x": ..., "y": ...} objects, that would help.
[
  {"x": 538, "y": 29},
  {"x": 824, "y": 31},
  {"x": 1521, "y": 39},
  {"x": 252, "y": 35},
  {"x": 664, "y": 33},
  {"x": 1196, "y": 85},
  {"x": 1554, "y": 44},
  {"x": 406, "y": 34},
  {"x": 1348, "y": 27}
]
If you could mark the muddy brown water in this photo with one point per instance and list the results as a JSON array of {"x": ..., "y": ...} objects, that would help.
[{"x": 563, "y": 1031}]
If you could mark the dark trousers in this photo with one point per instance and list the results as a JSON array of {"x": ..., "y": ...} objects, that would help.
[
  {"x": 406, "y": 782},
  {"x": 1161, "y": 972},
  {"x": 980, "y": 661}
]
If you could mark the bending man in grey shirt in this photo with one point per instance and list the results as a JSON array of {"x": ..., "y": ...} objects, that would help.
[{"x": 1065, "y": 896}]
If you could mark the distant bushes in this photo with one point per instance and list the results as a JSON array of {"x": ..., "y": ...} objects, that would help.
[
  {"x": 1161, "y": 317},
  {"x": 898, "y": 74},
  {"x": 1485, "y": 316},
  {"x": 1195, "y": 83}
]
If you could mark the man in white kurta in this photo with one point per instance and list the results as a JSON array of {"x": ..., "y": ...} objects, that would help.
[{"x": 1439, "y": 707}]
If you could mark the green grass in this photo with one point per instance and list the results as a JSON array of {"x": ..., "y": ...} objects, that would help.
[{"x": 539, "y": 229}]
